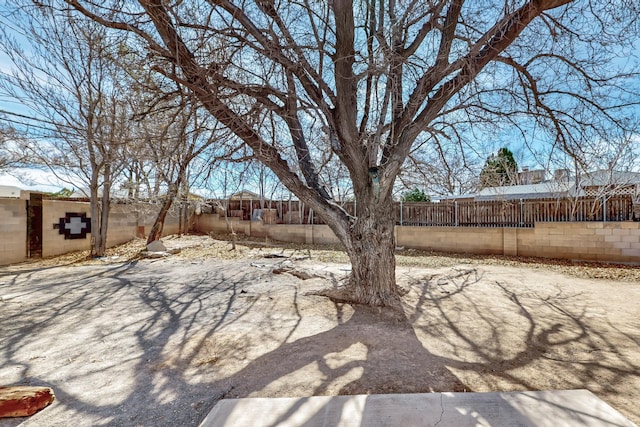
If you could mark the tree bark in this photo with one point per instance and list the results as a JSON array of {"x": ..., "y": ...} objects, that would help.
[
  {"x": 100, "y": 207},
  {"x": 370, "y": 245},
  {"x": 158, "y": 225},
  {"x": 96, "y": 238},
  {"x": 105, "y": 210}
]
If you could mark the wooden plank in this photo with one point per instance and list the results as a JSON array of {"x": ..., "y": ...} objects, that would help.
[{"x": 22, "y": 401}]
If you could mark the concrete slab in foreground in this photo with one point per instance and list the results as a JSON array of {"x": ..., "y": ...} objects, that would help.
[{"x": 535, "y": 408}]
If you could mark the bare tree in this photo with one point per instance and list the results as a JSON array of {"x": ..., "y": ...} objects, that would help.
[
  {"x": 10, "y": 154},
  {"x": 604, "y": 170},
  {"x": 374, "y": 77},
  {"x": 66, "y": 76},
  {"x": 443, "y": 172},
  {"x": 189, "y": 136},
  {"x": 260, "y": 177}
]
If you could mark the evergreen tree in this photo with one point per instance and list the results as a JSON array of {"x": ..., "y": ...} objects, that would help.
[
  {"x": 499, "y": 170},
  {"x": 415, "y": 195}
]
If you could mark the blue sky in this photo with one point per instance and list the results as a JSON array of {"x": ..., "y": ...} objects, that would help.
[{"x": 45, "y": 181}]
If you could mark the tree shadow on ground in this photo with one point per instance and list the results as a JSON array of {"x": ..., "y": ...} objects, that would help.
[
  {"x": 187, "y": 338},
  {"x": 175, "y": 319},
  {"x": 543, "y": 337}
]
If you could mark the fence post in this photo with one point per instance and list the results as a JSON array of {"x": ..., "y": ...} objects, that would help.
[
  {"x": 521, "y": 213},
  {"x": 400, "y": 212},
  {"x": 455, "y": 211},
  {"x": 604, "y": 208}
]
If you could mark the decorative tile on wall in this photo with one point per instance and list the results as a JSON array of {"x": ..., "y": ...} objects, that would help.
[{"x": 74, "y": 225}]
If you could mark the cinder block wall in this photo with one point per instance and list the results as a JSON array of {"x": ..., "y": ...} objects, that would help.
[
  {"x": 323, "y": 235},
  {"x": 294, "y": 233},
  {"x": 214, "y": 223},
  {"x": 595, "y": 241},
  {"x": 125, "y": 223},
  {"x": 589, "y": 241},
  {"x": 13, "y": 231},
  {"x": 146, "y": 216},
  {"x": 452, "y": 239}
]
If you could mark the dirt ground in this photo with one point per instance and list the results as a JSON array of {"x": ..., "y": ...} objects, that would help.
[{"x": 132, "y": 341}]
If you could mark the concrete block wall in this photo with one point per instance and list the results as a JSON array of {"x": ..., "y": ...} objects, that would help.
[
  {"x": 510, "y": 241},
  {"x": 452, "y": 239},
  {"x": 588, "y": 241},
  {"x": 214, "y": 223},
  {"x": 323, "y": 235},
  {"x": 294, "y": 233},
  {"x": 125, "y": 223},
  {"x": 290, "y": 233},
  {"x": 593, "y": 241},
  {"x": 13, "y": 231},
  {"x": 146, "y": 216}
]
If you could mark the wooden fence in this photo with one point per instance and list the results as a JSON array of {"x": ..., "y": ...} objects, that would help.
[{"x": 498, "y": 213}]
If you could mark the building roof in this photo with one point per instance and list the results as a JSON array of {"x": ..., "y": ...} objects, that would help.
[
  {"x": 542, "y": 190},
  {"x": 10, "y": 191},
  {"x": 245, "y": 195},
  {"x": 608, "y": 177},
  {"x": 567, "y": 187}
]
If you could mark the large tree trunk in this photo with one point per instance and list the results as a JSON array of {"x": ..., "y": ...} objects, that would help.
[
  {"x": 370, "y": 245},
  {"x": 95, "y": 223}
]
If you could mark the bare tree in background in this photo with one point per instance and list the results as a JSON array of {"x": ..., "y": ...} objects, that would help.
[
  {"x": 10, "y": 154},
  {"x": 376, "y": 78},
  {"x": 267, "y": 184},
  {"x": 602, "y": 170},
  {"x": 67, "y": 77},
  {"x": 442, "y": 173},
  {"x": 189, "y": 136}
]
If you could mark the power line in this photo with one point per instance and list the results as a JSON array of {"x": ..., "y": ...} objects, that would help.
[
  {"x": 23, "y": 116},
  {"x": 73, "y": 130}
]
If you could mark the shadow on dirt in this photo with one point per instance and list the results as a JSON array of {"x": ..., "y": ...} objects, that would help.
[
  {"x": 151, "y": 343},
  {"x": 500, "y": 337}
]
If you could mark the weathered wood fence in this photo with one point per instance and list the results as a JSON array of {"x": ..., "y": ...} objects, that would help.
[{"x": 495, "y": 213}]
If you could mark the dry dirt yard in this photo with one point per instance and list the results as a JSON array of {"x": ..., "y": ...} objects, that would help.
[{"x": 132, "y": 341}]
